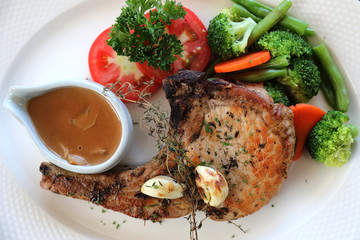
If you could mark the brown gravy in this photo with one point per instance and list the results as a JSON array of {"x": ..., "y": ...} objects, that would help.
[{"x": 77, "y": 124}]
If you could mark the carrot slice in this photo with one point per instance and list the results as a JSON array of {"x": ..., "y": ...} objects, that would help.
[
  {"x": 243, "y": 62},
  {"x": 305, "y": 118}
]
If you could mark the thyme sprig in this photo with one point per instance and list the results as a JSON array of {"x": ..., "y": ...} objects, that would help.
[
  {"x": 155, "y": 122},
  {"x": 238, "y": 226}
]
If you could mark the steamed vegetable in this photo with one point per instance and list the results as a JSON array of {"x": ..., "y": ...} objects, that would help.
[
  {"x": 284, "y": 43},
  {"x": 270, "y": 20},
  {"x": 228, "y": 35},
  {"x": 305, "y": 118},
  {"x": 276, "y": 62},
  {"x": 329, "y": 142},
  {"x": 301, "y": 79},
  {"x": 273, "y": 63},
  {"x": 261, "y": 75},
  {"x": 328, "y": 91},
  {"x": 261, "y": 11},
  {"x": 334, "y": 78},
  {"x": 277, "y": 92},
  {"x": 243, "y": 62},
  {"x": 243, "y": 12}
]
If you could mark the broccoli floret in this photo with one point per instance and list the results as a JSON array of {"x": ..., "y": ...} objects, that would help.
[
  {"x": 330, "y": 140},
  {"x": 303, "y": 79},
  {"x": 228, "y": 34},
  {"x": 281, "y": 43},
  {"x": 277, "y": 92}
]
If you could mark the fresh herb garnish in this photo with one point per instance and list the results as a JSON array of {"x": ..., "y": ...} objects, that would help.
[
  {"x": 208, "y": 128},
  {"x": 226, "y": 144},
  {"x": 145, "y": 39},
  {"x": 155, "y": 121}
]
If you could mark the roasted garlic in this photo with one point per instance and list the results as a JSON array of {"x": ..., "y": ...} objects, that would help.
[
  {"x": 212, "y": 185},
  {"x": 162, "y": 187}
]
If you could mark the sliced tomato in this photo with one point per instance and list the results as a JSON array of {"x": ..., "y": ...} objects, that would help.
[
  {"x": 106, "y": 68},
  {"x": 196, "y": 52}
]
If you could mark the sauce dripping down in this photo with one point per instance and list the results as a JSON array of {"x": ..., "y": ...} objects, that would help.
[{"x": 77, "y": 124}]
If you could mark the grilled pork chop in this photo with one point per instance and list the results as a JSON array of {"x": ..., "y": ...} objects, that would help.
[
  {"x": 238, "y": 130},
  {"x": 117, "y": 189},
  {"x": 232, "y": 127}
]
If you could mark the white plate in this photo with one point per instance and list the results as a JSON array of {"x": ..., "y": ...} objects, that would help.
[{"x": 59, "y": 50}]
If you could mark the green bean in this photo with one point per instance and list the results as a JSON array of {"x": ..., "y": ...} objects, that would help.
[
  {"x": 209, "y": 69},
  {"x": 328, "y": 91},
  {"x": 334, "y": 76},
  {"x": 269, "y": 21},
  {"x": 255, "y": 7},
  {"x": 309, "y": 32},
  {"x": 289, "y": 22},
  {"x": 258, "y": 75},
  {"x": 354, "y": 130},
  {"x": 277, "y": 62},
  {"x": 243, "y": 12}
]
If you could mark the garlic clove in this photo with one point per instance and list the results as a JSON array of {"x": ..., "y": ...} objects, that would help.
[
  {"x": 162, "y": 187},
  {"x": 212, "y": 185},
  {"x": 76, "y": 160}
]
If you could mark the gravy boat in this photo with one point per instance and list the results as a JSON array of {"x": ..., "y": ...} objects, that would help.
[{"x": 16, "y": 103}]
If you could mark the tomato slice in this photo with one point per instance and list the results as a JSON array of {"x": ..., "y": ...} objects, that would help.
[
  {"x": 106, "y": 67},
  {"x": 196, "y": 52}
]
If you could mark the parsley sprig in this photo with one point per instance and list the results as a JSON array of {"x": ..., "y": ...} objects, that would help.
[{"x": 146, "y": 40}]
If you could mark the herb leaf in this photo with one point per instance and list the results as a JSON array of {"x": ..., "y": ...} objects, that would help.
[{"x": 145, "y": 40}]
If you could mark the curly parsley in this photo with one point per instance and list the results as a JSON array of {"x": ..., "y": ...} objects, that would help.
[{"x": 144, "y": 39}]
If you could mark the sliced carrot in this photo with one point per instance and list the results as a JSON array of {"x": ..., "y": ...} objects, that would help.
[
  {"x": 243, "y": 62},
  {"x": 305, "y": 118}
]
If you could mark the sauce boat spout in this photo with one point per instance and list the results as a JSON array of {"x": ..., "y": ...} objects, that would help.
[{"x": 16, "y": 102}]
